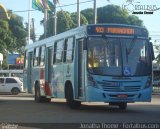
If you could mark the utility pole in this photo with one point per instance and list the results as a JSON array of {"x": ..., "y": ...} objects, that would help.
[
  {"x": 55, "y": 17},
  {"x": 78, "y": 14},
  {"x": 29, "y": 7},
  {"x": 45, "y": 21},
  {"x": 95, "y": 12},
  {"x": 33, "y": 38}
]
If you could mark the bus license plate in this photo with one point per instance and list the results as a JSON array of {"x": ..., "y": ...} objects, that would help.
[{"x": 122, "y": 96}]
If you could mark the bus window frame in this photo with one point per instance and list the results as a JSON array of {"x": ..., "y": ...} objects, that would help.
[
  {"x": 26, "y": 59},
  {"x": 40, "y": 55},
  {"x": 35, "y": 57},
  {"x": 55, "y": 51},
  {"x": 72, "y": 50}
]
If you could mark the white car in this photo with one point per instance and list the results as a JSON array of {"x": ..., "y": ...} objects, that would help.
[
  {"x": 156, "y": 83},
  {"x": 11, "y": 85}
]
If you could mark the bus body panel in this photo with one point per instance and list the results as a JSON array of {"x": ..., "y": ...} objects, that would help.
[{"x": 57, "y": 81}]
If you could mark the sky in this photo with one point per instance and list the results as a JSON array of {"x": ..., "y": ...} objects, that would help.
[{"x": 151, "y": 21}]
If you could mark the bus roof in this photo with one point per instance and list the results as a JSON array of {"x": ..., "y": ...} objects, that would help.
[{"x": 95, "y": 29}]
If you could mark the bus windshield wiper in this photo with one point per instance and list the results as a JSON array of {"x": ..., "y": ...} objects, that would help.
[{"x": 131, "y": 45}]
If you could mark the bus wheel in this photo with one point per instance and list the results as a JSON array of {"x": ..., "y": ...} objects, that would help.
[
  {"x": 122, "y": 106},
  {"x": 38, "y": 97},
  {"x": 47, "y": 100},
  {"x": 73, "y": 104}
]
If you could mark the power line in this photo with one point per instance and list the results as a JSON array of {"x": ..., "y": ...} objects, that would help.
[
  {"x": 75, "y": 3},
  {"x": 60, "y": 6},
  {"x": 20, "y": 11}
]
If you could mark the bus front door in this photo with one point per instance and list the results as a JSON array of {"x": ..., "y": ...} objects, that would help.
[
  {"x": 48, "y": 69},
  {"x": 29, "y": 72},
  {"x": 81, "y": 69}
]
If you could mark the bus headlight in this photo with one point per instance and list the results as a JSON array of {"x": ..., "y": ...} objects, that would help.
[
  {"x": 91, "y": 81},
  {"x": 148, "y": 83}
]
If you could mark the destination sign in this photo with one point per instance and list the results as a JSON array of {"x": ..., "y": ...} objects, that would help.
[{"x": 116, "y": 30}]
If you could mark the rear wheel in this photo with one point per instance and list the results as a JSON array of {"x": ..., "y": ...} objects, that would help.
[
  {"x": 15, "y": 91},
  {"x": 38, "y": 97},
  {"x": 47, "y": 100},
  {"x": 73, "y": 104}
]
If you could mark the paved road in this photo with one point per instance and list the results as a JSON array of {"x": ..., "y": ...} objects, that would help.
[{"x": 22, "y": 109}]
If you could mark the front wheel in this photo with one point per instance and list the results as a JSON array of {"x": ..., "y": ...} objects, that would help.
[
  {"x": 73, "y": 104},
  {"x": 38, "y": 97}
]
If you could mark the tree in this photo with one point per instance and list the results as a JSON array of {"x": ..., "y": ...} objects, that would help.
[
  {"x": 83, "y": 20},
  {"x": 115, "y": 14},
  {"x": 106, "y": 14},
  {"x": 18, "y": 31},
  {"x": 12, "y": 36},
  {"x": 64, "y": 22},
  {"x": 88, "y": 14},
  {"x": 7, "y": 39}
]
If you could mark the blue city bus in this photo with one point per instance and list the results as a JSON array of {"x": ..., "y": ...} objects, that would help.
[{"x": 109, "y": 63}]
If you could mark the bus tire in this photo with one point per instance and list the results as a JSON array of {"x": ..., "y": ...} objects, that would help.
[
  {"x": 47, "y": 100},
  {"x": 38, "y": 97},
  {"x": 122, "y": 105},
  {"x": 73, "y": 104}
]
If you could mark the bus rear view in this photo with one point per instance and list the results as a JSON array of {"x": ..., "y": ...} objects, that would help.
[{"x": 119, "y": 65}]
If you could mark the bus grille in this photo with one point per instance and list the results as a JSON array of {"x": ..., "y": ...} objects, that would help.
[{"x": 113, "y": 87}]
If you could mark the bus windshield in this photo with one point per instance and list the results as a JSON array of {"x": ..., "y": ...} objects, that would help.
[{"x": 118, "y": 56}]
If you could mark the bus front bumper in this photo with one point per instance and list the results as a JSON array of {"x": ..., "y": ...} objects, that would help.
[{"x": 98, "y": 95}]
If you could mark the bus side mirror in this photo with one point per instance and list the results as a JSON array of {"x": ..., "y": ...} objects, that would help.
[{"x": 152, "y": 51}]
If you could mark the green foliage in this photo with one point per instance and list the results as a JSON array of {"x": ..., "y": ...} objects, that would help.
[
  {"x": 19, "y": 32},
  {"x": 12, "y": 36},
  {"x": 88, "y": 14},
  {"x": 64, "y": 21},
  {"x": 115, "y": 14},
  {"x": 6, "y": 38},
  {"x": 106, "y": 14},
  {"x": 83, "y": 20}
]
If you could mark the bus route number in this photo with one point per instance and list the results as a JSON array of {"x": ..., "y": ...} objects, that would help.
[{"x": 100, "y": 29}]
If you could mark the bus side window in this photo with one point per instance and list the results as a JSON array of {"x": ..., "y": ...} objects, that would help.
[
  {"x": 69, "y": 50},
  {"x": 36, "y": 57},
  {"x": 42, "y": 55},
  {"x": 65, "y": 49},
  {"x": 58, "y": 51},
  {"x": 25, "y": 59}
]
